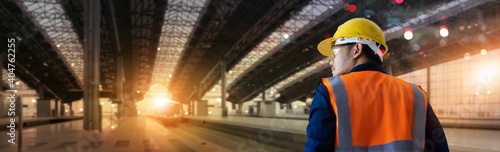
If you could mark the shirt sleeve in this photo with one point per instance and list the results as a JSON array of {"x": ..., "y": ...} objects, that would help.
[
  {"x": 435, "y": 139},
  {"x": 321, "y": 128}
]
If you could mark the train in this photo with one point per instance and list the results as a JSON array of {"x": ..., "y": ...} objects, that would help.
[{"x": 168, "y": 114}]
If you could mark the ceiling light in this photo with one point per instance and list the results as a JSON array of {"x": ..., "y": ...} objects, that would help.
[
  {"x": 443, "y": 31},
  {"x": 483, "y": 51},
  {"x": 408, "y": 34}
]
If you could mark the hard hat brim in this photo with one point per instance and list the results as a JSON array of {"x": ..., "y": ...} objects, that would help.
[{"x": 325, "y": 47}]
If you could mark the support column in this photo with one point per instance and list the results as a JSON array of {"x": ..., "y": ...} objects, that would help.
[
  {"x": 61, "y": 112},
  {"x": 43, "y": 108},
  {"x": 120, "y": 76},
  {"x": 92, "y": 35},
  {"x": 289, "y": 109},
  {"x": 202, "y": 108},
  {"x": 71, "y": 113},
  {"x": 56, "y": 113},
  {"x": 191, "y": 108},
  {"x": 270, "y": 108},
  {"x": 239, "y": 109},
  {"x": 223, "y": 87}
]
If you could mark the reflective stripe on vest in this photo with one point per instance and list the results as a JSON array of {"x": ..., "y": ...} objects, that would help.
[{"x": 335, "y": 86}]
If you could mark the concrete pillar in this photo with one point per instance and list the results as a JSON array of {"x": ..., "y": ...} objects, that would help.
[
  {"x": 239, "y": 109},
  {"x": 191, "y": 108},
  {"x": 61, "y": 111},
  {"x": 71, "y": 113},
  {"x": 269, "y": 108},
  {"x": 120, "y": 76},
  {"x": 223, "y": 87},
  {"x": 92, "y": 35},
  {"x": 289, "y": 109},
  {"x": 56, "y": 110},
  {"x": 258, "y": 109},
  {"x": 202, "y": 108},
  {"x": 43, "y": 108}
]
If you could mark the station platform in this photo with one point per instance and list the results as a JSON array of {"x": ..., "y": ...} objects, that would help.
[
  {"x": 133, "y": 134},
  {"x": 36, "y": 121},
  {"x": 459, "y": 138},
  {"x": 203, "y": 133}
]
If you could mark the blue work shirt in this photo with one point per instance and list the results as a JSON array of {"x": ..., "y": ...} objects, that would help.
[{"x": 321, "y": 128}]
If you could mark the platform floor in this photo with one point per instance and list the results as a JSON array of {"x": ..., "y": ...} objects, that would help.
[
  {"x": 145, "y": 134},
  {"x": 133, "y": 134},
  {"x": 459, "y": 139}
]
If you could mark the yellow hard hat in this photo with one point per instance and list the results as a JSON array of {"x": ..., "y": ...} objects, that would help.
[{"x": 356, "y": 30}]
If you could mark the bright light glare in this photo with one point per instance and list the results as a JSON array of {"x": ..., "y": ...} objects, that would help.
[
  {"x": 102, "y": 103},
  {"x": 81, "y": 109},
  {"x": 483, "y": 51},
  {"x": 187, "y": 113},
  {"x": 112, "y": 127},
  {"x": 112, "y": 105},
  {"x": 209, "y": 112},
  {"x": 138, "y": 112},
  {"x": 477, "y": 93},
  {"x": 294, "y": 106},
  {"x": 246, "y": 111},
  {"x": 161, "y": 101},
  {"x": 408, "y": 34},
  {"x": 218, "y": 99},
  {"x": 489, "y": 92},
  {"x": 286, "y": 36},
  {"x": 65, "y": 110},
  {"x": 443, "y": 31},
  {"x": 485, "y": 75},
  {"x": 33, "y": 100}
]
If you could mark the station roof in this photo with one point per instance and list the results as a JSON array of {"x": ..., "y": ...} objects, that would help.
[{"x": 264, "y": 44}]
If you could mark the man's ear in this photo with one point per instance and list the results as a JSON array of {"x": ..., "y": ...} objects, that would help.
[{"x": 358, "y": 48}]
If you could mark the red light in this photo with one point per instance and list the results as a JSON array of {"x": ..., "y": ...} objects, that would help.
[
  {"x": 352, "y": 8},
  {"x": 392, "y": 1},
  {"x": 443, "y": 27},
  {"x": 399, "y": 1},
  {"x": 444, "y": 18}
]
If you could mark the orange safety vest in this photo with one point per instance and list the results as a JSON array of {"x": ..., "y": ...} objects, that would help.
[{"x": 377, "y": 112}]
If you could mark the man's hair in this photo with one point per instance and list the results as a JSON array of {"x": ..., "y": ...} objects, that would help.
[{"x": 368, "y": 53}]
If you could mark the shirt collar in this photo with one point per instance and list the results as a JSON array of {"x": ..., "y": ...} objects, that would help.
[{"x": 368, "y": 67}]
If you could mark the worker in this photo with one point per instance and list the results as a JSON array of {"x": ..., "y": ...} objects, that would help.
[{"x": 362, "y": 108}]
